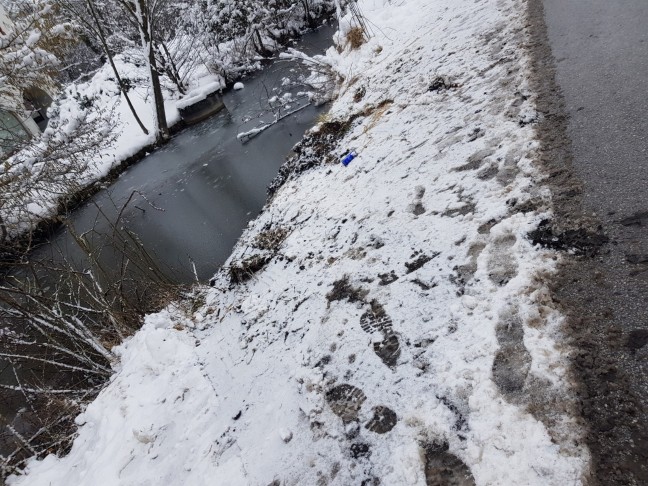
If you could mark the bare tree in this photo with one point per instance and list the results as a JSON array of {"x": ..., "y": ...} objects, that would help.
[
  {"x": 59, "y": 321},
  {"x": 29, "y": 46},
  {"x": 87, "y": 14},
  {"x": 144, "y": 17},
  {"x": 129, "y": 23},
  {"x": 47, "y": 169}
]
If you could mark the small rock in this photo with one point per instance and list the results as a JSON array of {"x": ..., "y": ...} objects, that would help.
[{"x": 286, "y": 435}]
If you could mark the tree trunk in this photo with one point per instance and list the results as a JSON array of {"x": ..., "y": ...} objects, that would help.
[
  {"x": 3, "y": 230},
  {"x": 309, "y": 16},
  {"x": 106, "y": 49},
  {"x": 162, "y": 134},
  {"x": 258, "y": 44},
  {"x": 146, "y": 32}
]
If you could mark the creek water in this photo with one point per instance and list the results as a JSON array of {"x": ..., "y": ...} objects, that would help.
[
  {"x": 205, "y": 182},
  {"x": 190, "y": 200}
]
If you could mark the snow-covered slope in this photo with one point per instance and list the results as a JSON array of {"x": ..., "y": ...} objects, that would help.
[{"x": 401, "y": 333}]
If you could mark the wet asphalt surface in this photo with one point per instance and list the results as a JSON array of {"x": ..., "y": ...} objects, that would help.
[{"x": 592, "y": 75}]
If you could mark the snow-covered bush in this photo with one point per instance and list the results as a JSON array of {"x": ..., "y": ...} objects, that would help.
[
  {"x": 28, "y": 47},
  {"x": 233, "y": 34}
]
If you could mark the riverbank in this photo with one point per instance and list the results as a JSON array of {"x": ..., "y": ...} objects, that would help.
[
  {"x": 51, "y": 221},
  {"x": 97, "y": 109},
  {"x": 178, "y": 186},
  {"x": 387, "y": 321}
]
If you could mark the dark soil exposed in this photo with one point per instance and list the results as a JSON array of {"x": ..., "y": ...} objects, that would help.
[
  {"x": 244, "y": 270},
  {"x": 419, "y": 262},
  {"x": 441, "y": 84},
  {"x": 318, "y": 147},
  {"x": 343, "y": 290},
  {"x": 581, "y": 240},
  {"x": 443, "y": 468},
  {"x": 315, "y": 149},
  {"x": 383, "y": 420}
]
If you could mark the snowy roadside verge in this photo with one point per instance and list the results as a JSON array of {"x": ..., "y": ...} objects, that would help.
[{"x": 387, "y": 321}]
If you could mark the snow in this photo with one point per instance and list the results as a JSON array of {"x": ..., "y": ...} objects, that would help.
[
  {"x": 281, "y": 111},
  {"x": 33, "y": 38},
  {"x": 238, "y": 86},
  {"x": 428, "y": 228},
  {"x": 107, "y": 109},
  {"x": 200, "y": 93},
  {"x": 130, "y": 138},
  {"x": 244, "y": 136}
]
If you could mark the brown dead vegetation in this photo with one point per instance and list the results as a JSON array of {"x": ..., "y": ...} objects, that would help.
[{"x": 356, "y": 37}]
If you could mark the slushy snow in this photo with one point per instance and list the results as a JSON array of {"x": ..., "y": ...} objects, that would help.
[{"x": 403, "y": 330}]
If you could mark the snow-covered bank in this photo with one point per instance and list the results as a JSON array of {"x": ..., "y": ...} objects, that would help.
[
  {"x": 97, "y": 109},
  {"x": 92, "y": 133},
  {"x": 400, "y": 330}
]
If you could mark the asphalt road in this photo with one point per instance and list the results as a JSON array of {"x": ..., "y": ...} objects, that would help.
[{"x": 600, "y": 57}]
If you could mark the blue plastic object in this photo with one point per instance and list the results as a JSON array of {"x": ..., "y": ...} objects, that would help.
[{"x": 347, "y": 159}]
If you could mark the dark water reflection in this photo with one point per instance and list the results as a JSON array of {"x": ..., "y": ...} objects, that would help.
[
  {"x": 205, "y": 182},
  {"x": 193, "y": 197}
]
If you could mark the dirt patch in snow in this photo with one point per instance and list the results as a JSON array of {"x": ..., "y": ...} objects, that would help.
[
  {"x": 442, "y": 84},
  {"x": 581, "y": 241},
  {"x": 271, "y": 238},
  {"x": 384, "y": 419},
  {"x": 345, "y": 401},
  {"x": 376, "y": 320},
  {"x": 343, "y": 290},
  {"x": 443, "y": 468},
  {"x": 318, "y": 147},
  {"x": 419, "y": 261},
  {"x": 315, "y": 149},
  {"x": 244, "y": 270},
  {"x": 387, "y": 278}
]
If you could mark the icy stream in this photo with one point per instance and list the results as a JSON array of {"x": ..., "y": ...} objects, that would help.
[
  {"x": 205, "y": 182},
  {"x": 193, "y": 197}
]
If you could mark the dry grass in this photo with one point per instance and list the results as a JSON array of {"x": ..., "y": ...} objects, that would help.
[
  {"x": 356, "y": 37},
  {"x": 359, "y": 94},
  {"x": 323, "y": 118},
  {"x": 243, "y": 271},
  {"x": 271, "y": 238}
]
